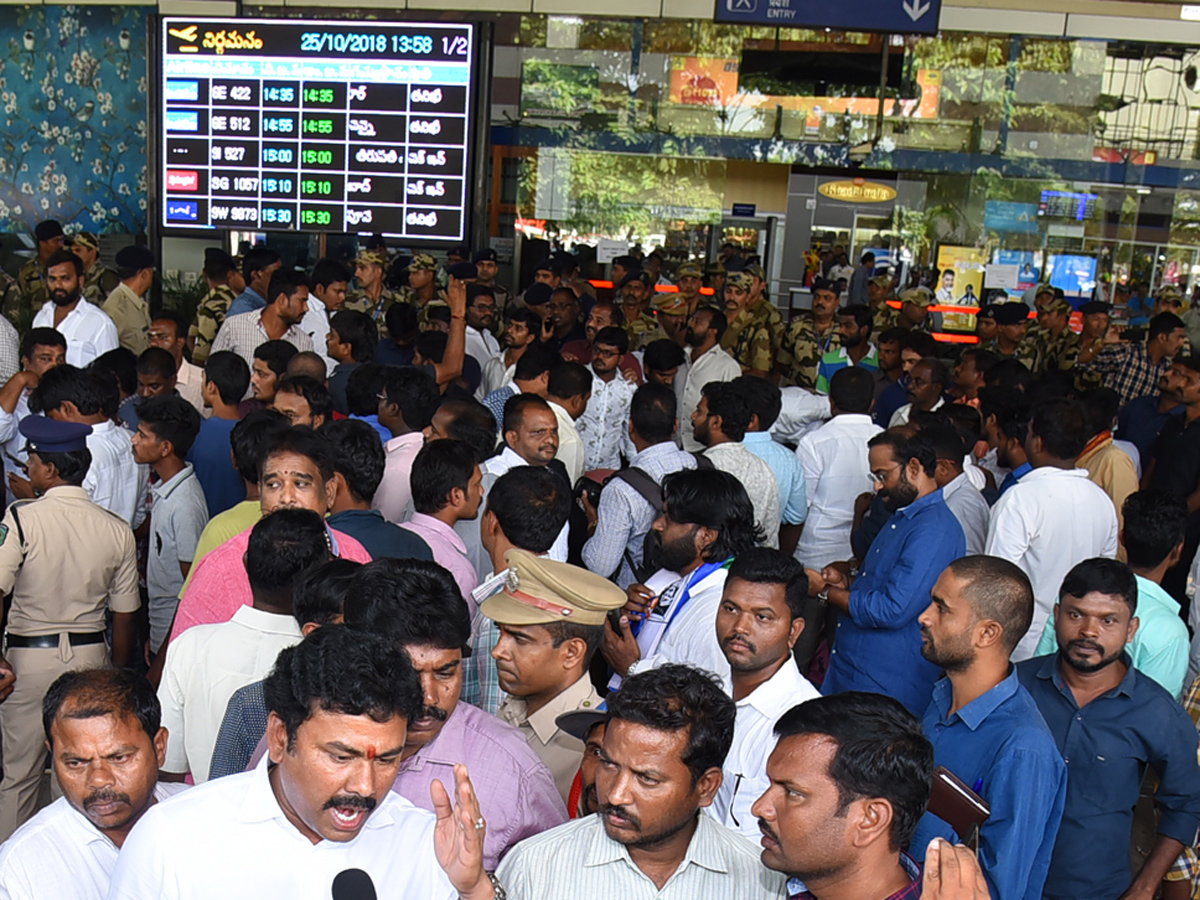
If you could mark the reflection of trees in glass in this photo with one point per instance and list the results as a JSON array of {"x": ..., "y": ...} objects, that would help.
[{"x": 1185, "y": 220}]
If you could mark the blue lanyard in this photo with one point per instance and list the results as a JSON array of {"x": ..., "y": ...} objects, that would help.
[{"x": 697, "y": 576}]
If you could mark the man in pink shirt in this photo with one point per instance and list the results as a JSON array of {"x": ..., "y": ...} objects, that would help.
[
  {"x": 447, "y": 486},
  {"x": 406, "y": 407},
  {"x": 296, "y": 473}
]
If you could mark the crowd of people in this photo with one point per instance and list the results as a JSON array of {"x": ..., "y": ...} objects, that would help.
[{"x": 342, "y": 589}]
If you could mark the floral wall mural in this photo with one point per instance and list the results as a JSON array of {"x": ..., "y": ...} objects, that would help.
[{"x": 73, "y": 127}]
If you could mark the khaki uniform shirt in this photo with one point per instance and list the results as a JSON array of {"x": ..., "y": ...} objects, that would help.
[
  {"x": 131, "y": 314},
  {"x": 561, "y": 753},
  {"x": 67, "y": 562},
  {"x": 747, "y": 341},
  {"x": 768, "y": 314},
  {"x": 210, "y": 315},
  {"x": 802, "y": 349},
  {"x": 98, "y": 282}
]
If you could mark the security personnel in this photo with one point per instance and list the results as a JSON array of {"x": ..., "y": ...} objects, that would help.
[
  {"x": 1012, "y": 342},
  {"x": 371, "y": 295},
  {"x": 810, "y": 336},
  {"x": 1057, "y": 345},
  {"x": 746, "y": 339},
  {"x": 127, "y": 305},
  {"x": 65, "y": 560},
  {"x": 635, "y": 290},
  {"x": 690, "y": 277},
  {"x": 225, "y": 282},
  {"x": 879, "y": 292},
  {"x": 671, "y": 313},
  {"x": 98, "y": 279},
  {"x": 422, "y": 287},
  {"x": 763, "y": 310},
  {"x": 34, "y": 293},
  {"x": 551, "y": 617},
  {"x": 487, "y": 265}
]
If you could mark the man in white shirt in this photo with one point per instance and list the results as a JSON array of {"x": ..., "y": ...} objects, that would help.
[
  {"x": 42, "y": 349},
  {"x": 114, "y": 479},
  {"x": 568, "y": 392},
  {"x": 168, "y": 330},
  {"x": 802, "y": 412},
  {"x": 481, "y": 317},
  {"x": 720, "y": 423},
  {"x": 836, "y": 470},
  {"x": 707, "y": 520},
  {"x": 521, "y": 329},
  {"x": 963, "y": 498},
  {"x": 89, "y": 332},
  {"x": 758, "y": 621},
  {"x": 604, "y": 425},
  {"x": 326, "y": 296},
  {"x": 279, "y": 320},
  {"x": 1054, "y": 517},
  {"x": 206, "y": 664},
  {"x": 926, "y": 387},
  {"x": 69, "y": 849},
  {"x": 707, "y": 362},
  {"x": 320, "y": 802}
]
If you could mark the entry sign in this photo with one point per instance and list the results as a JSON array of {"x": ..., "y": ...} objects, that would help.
[
  {"x": 897, "y": 16},
  {"x": 743, "y": 209}
]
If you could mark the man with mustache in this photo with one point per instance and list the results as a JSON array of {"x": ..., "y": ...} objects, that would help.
[
  {"x": 89, "y": 332},
  {"x": 760, "y": 617},
  {"x": 320, "y": 802},
  {"x": 1110, "y": 722},
  {"x": 984, "y": 726},
  {"x": 666, "y": 737},
  {"x": 417, "y": 606},
  {"x": 103, "y": 734}
]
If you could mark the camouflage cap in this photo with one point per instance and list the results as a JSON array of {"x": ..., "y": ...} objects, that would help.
[
  {"x": 423, "y": 262},
  {"x": 1044, "y": 289},
  {"x": 689, "y": 270},
  {"x": 669, "y": 303},
  {"x": 757, "y": 271},
  {"x": 917, "y": 296},
  {"x": 883, "y": 281},
  {"x": 376, "y": 257},
  {"x": 714, "y": 269},
  {"x": 741, "y": 280},
  {"x": 1057, "y": 305},
  {"x": 86, "y": 239},
  {"x": 1168, "y": 293}
]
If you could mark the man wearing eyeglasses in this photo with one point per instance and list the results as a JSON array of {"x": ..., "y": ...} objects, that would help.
[{"x": 878, "y": 642}]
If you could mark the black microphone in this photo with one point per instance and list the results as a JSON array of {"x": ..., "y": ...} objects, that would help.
[{"x": 353, "y": 884}]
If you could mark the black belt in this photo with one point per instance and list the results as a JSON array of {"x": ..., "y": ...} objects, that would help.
[{"x": 51, "y": 640}]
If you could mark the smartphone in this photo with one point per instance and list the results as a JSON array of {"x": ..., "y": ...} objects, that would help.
[{"x": 614, "y": 621}]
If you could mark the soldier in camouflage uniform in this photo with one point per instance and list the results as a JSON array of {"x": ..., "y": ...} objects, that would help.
[
  {"x": 225, "y": 282},
  {"x": 913, "y": 314},
  {"x": 371, "y": 295},
  {"x": 98, "y": 279},
  {"x": 1012, "y": 342},
  {"x": 763, "y": 310},
  {"x": 746, "y": 339},
  {"x": 879, "y": 292},
  {"x": 690, "y": 277},
  {"x": 33, "y": 292},
  {"x": 1057, "y": 345},
  {"x": 809, "y": 337},
  {"x": 635, "y": 291},
  {"x": 671, "y": 312}
]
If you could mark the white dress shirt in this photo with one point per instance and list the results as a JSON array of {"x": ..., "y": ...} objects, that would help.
[
  {"x": 604, "y": 425},
  {"x": 60, "y": 855},
  {"x": 88, "y": 330},
  {"x": 970, "y": 509},
  {"x": 189, "y": 381},
  {"x": 205, "y": 665},
  {"x": 229, "y": 838},
  {"x": 492, "y": 469},
  {"x": 570, "y": 444},
  {"x": 316, "y": 325},
  {"x": 482, "y": 345},
  {"x": 690, "y": 634},
  {"x": 745, "y": 766},
  {"x": 10, "y": 350},
  {"x": 1049, "y": 521},
  {"x": 758, "y": 480},
  {"x": 714, "y": 364},
  {"x": 801, "y": 412},
  {"x": 495, "y": 375},
  {"x": 836, "y": 471},
  {"x": 114, "y": 480},
  {"x": 244, "y": 332},
  {"x": 902, "y": 415},
  {"x": 11, "y": 439}
]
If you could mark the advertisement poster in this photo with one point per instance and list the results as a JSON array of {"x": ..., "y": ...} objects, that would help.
[
  {"x": 1076, "y": 275},
  {"x": 1029, "y": 263},
  {"x": 960, "y": 283}
]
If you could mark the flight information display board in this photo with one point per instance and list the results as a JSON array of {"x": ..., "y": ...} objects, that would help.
[{"x": 281, "y": 125}]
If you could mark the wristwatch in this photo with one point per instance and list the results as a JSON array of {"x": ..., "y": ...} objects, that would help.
[
  {"x": 497, "y": 887},
  {"x": 823, "y": 597}
]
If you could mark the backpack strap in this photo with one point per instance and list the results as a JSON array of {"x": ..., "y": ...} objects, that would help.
[{"x": 647, "y": 487}]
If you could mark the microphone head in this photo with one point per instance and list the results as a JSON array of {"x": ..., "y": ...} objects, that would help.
[{"x": 353, "y": 884}]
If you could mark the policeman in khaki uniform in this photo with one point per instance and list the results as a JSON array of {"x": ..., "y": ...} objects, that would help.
[
  {"x": 371, "y": 295},
  {"x": 33, "y": 291},
  {"x": 746, "y": 339},
  {"x": 65, "y": 560},
  {"x": 98, "y": 279},
  {"x": 126, "y": 305},
  {"x": 551, "y": 617}
]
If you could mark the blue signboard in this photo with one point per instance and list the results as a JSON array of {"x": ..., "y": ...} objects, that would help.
[
  {"x": 898, "y": 16},
  {"x": 1001, "y": 215}
]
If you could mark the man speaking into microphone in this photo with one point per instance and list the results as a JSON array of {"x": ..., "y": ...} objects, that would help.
[{"x": 317, "y": 817}]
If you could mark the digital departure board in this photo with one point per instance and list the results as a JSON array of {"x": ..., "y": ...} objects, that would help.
[{"x": 294, "y": 125}]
